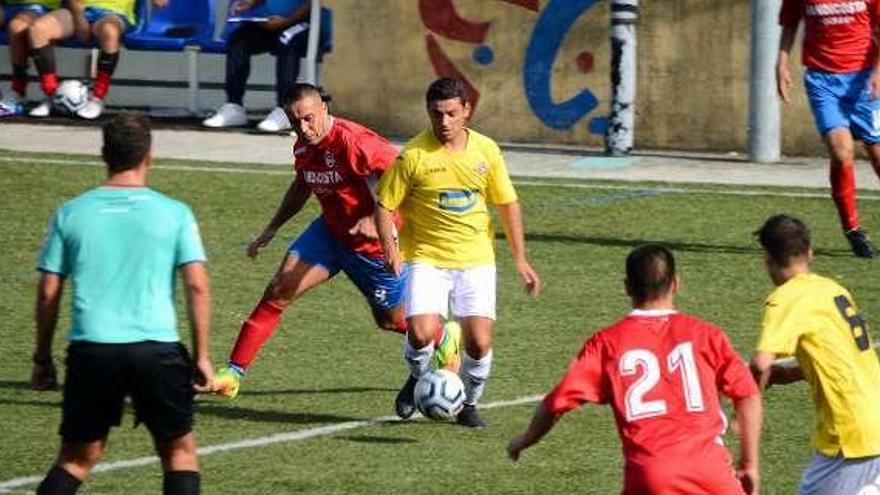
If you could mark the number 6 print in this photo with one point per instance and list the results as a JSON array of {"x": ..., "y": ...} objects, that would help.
[{"x": 857, "y": 324}]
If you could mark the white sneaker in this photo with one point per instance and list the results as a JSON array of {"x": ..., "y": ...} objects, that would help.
[
  {"x": 44, "y": 109},
  {"x": 274, "y": 122},
  {"x": 92, "y": 109},
  {"x": 228, "y": 115}
]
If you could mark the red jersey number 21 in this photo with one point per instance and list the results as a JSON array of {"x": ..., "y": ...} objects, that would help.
[{"x": 680, "y": 359}]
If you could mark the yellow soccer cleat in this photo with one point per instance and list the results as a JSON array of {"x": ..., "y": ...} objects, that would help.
[
  {"x": 447, "y": 355},
  {"x": 227, "y": 381}
]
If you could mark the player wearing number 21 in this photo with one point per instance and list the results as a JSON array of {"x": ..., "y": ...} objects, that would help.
[
  {"x": 816, "y": 320},
  {"x": 662, "y": 372}
]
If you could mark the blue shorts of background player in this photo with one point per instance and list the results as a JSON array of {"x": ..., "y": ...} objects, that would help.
[
  {"x": 317, "y": 246},
  {"x": 95, "y": 14},
  {"x": 13, "y": 10},
  {"x": 844, "y": 101}
]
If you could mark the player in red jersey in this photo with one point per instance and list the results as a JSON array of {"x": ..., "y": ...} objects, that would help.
[
  {"x": 339, "y": 162},
  {"x": 843, "y": 85},
  {"x": 662, "y": 372}
]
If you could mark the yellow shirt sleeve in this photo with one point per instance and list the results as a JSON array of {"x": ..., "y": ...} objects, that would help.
[
  {"x": 781, "y": 329},
  {"x": 500, "y": 190},
  {"x": 125, "y": 8},
  {"x": 395, "y": 182}
]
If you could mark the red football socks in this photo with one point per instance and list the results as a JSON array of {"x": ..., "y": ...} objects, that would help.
[
  {"x": 19, "y": 79},
  {"x": 49, "y": 83},
  {"x": 843, "y": 191},
  {"x": 19, "y": 85},
  {"x": 102, "y": 85},
  {"x": 255, "y": 331}
]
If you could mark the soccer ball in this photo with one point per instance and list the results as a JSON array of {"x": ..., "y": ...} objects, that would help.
[
  {"x": 70, "y": 97},
  {"x": 439, "y": 394}
]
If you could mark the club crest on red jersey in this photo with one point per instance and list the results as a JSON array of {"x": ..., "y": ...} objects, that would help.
[{"x": 329, "y": 159}]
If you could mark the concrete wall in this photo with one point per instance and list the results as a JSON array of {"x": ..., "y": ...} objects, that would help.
[{"x": 540, "y": 68}]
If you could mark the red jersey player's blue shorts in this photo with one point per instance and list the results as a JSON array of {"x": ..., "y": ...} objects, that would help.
[
  {"x": 95, "y": 14},
  {"x": 843, "y": 100},
  {"x": 317, "y": 246}
]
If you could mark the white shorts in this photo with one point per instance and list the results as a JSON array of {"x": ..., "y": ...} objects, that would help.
[
  {"x": 838, "y": 476},
  {"x": 431, "y": 290}
]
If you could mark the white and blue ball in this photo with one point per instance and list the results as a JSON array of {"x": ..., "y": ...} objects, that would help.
[
  {"x": 71, "y": 96},
  {"x": 439, "y": 394}
]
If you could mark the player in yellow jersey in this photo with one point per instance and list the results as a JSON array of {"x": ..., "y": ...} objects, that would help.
[
  {"x": 442, "y": 183},
  {"x": 816, "y": 320},
  {"x": 101, "y": 21}
]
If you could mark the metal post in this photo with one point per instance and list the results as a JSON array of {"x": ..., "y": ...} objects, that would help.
[
  {"x": 620, "y": 134},
  {"x": 764, "y": 129},
  {"x": 310, "y": 62},
  {"x": 192, "y": 53}
]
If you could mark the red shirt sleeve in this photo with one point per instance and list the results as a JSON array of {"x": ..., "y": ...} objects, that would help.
[
  {"x": 791, "y": 12},
  {"x": 584, "y": 381},
  {"x": 370, "y": 154},
  {"x": 732, "y": 375}
]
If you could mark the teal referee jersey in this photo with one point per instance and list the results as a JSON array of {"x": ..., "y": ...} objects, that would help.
[{"x": 121, "y": 248}]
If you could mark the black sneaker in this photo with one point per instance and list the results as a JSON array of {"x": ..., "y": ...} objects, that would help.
[
  {"x": 405, "y": 403},
  {"x": 469, "y": 417},
  {"x": 861, "y": 245}
]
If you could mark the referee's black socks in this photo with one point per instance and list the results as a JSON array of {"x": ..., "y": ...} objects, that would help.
[
  {"x": 58, "y": 482},
  {"x": 181, "y": 483}
]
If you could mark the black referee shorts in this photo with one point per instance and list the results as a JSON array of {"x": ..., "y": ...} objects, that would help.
[{"x": 156, "y": 375}]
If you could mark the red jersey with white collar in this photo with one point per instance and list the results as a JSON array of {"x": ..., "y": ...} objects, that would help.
[
  {"x": 837, "y": 33},
  {"x": 661, "y": 372},
  {"x": 341, "y": 170}
]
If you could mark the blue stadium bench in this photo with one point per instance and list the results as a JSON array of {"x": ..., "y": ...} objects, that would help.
[{"x": 187, "y": 26}]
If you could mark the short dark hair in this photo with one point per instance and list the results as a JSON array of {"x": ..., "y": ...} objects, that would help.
[
  {"x": 447, "y": 88},
  {"x": 650, "y": 270},
  {"x": 127, "y": 141},
  {"x": 784, "y": 237},
  {"x": 301, "y": 90}
]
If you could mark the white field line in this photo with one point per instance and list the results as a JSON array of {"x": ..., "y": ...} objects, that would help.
[
  {"x": 519, "y": 182},
  {"x": 94, "y": 163},
  {"x": 257, "y": 442}
]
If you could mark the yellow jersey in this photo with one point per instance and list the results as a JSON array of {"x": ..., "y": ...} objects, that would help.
[
  {"x": 442, "y": 196},
  {"x": 124, "y": 8},
  {"x": 816, "y": 320},
  {"x": 49, "y": 4}
]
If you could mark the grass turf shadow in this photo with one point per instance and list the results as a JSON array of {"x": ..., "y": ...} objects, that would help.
[
  {"x": 306, "y": 391},
  {"x": 682, "y": 246},
  {"x": 269, "y": 416}
]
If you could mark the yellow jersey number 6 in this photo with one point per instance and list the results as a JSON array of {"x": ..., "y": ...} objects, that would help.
[{"x": 857, "y": 324}]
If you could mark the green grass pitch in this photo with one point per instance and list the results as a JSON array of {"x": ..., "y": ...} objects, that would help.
[{"x": 328, "y": 366}]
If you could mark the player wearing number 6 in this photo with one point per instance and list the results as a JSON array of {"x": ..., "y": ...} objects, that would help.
[
  {"x": 816, "y": 320},
  {"x": 662, "y": 372}
]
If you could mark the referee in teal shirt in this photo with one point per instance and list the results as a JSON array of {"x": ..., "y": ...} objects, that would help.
[{"x": 121, "y": 245}]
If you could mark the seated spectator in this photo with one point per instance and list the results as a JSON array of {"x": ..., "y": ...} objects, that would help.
[
  {"x": 280, "y": 27},
  {"x": 21, "y": 15},
  {"x": 101, "y": 21}
]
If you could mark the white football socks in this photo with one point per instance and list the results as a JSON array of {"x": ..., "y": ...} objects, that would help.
[
  {"x": 474, "y": 373},
  {"x": 419, "y": 360}
]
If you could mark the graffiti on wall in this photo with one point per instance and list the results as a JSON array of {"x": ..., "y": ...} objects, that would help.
[{"x": 552, "y": 27}]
